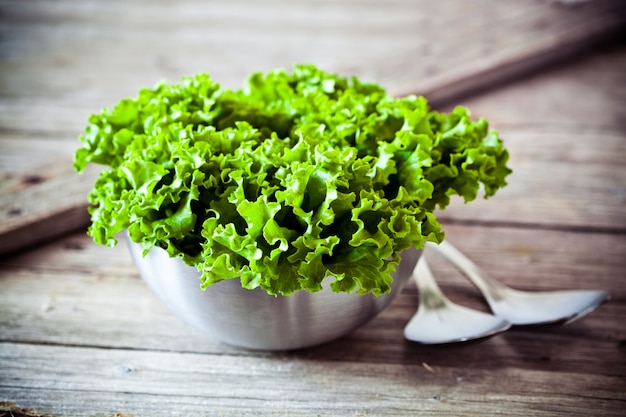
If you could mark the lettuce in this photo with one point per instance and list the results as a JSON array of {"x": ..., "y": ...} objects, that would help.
[{"x": 292, "y": 179}]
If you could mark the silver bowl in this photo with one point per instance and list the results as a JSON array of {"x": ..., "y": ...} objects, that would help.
[{"x": 255, "y": 320}]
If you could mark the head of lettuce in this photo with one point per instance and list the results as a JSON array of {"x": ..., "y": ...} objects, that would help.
[{"x": 294, "y": 178}]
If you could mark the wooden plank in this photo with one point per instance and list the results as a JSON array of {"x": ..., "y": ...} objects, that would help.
[
  {"x": 294, "y": 385},
  {"x": 64, "y": 294},
  {"x": 42, "y": 203},
  {"x": 562, "y": 124},
  {"x": 65, "y": 61},
  {"x": 565, "y": 131},
  {"x": 21, "y": 153},
  {"x": 81, "y": 335},
  {"x": 95, "y": 55},
  {"x": 556, "y": 184},
  {"x": 76, "y": 330}
]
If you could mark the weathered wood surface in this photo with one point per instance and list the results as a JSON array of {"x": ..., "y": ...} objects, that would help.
[
  {"x": 81, "y": 335},
  {"x": 76, "y": 341},
  {"x": 73, "y": 53},
  {"x": 62, "y": 61},
  {"x": 149, "y": 382},
  {"x": 117, "y": 306},
  {"x": 37, "y": 205},
  {"x": 566, "y": 129}
]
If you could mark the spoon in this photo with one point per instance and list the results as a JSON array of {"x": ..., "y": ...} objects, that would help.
[
  {"x": 438, "y": 320},
  {"x": 522, "y": 307}
]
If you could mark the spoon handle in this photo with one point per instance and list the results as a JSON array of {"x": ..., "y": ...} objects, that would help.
[
  {"x": 430, "y": 295},
  {"x": 490, "y": 288}
]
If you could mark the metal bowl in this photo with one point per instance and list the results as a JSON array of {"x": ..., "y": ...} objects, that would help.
[{"x": 255, "y": 320}]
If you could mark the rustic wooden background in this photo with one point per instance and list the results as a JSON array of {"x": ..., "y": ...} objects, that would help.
[
  {"x": 63, "y": 60},
  {"x": 81, "y": 335}
]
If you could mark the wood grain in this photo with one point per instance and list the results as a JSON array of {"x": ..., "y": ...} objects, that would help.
[
  {"x": 94, "y": 334},
  {"x": 565, "y": 130},
  {"x": 62, "y": 62},
  {"x": 123, "y": 313},
  {"x": 156, "y": 383},
  {"x": 42, "y": 203},
  {"x": 408, "y": 46},
  {"x": 561, "y": 123},
  {"x": 80, "y": 333}
]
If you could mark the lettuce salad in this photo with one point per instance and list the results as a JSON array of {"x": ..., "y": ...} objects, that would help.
[{"x": 297, "y": 177}]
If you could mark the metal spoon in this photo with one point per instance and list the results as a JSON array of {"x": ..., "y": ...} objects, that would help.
[
  {"x": 522, "y": 307},
  {"x": 438, "y": 320}
]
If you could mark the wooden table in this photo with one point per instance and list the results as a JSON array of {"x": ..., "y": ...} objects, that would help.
[{"x": 81, "y": 335}]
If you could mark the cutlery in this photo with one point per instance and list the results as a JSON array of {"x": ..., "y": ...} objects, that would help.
[
  {"x": 524, "y": 307},
  {"x": 438, "y": 320}
]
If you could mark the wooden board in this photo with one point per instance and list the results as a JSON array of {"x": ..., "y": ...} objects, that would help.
[
  {"x": 160, "y": 384},
  {"x": 80, "y": 333},
  {"x": 565, "y": 130},
  {"x": 93, "y": 53},
  {"x": 70, "y": 293},
  {"x": 41, "y": 204},
  {"x": 564, "y": 111},
  {"x": 63, "y": 61},
  {"x": 95, "y": 334}
]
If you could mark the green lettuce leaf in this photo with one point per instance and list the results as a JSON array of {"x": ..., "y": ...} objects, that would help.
[{"x": 297, "y": 178}]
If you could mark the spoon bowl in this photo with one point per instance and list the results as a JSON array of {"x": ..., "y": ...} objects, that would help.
[
  {"x": 522, "y": 308},
  {"x": 547, "y": 307},
  {"x": 438, "y": 320}
]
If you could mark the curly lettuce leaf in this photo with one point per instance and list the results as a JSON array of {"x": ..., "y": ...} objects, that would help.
[{"x": 294, "y": 179}]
